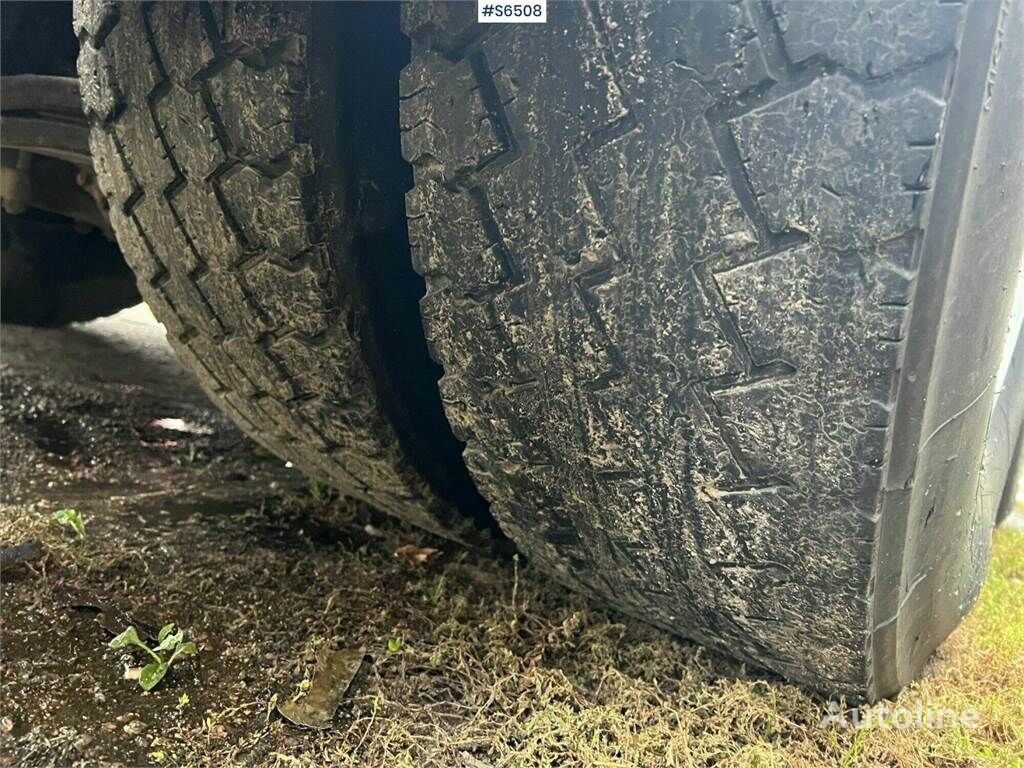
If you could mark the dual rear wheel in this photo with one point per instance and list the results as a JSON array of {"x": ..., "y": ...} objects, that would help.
[{"x": 717, "y": 295}]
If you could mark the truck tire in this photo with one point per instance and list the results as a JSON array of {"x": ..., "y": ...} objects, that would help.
[
  {"x": 255, "y": 195},
  {"x": 719, "y": 291}
]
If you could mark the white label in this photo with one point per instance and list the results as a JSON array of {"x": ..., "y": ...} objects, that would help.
[{"x": 512, "y": 11}]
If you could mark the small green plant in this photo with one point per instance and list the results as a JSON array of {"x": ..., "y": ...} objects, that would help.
[
  {"x": 168, "y": 642},
  {"x": 70, "y": 518},
  {"x": 320, "y": 491},
  {"x": 395, "y": 644}
]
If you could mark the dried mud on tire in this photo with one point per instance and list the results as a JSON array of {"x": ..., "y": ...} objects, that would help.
[{"x": 699, "y": 281}]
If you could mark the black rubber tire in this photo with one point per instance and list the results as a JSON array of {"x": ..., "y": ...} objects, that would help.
[
  {"x": 53, "y": 275},
  {"x": 706, "y": 281},
  {"x": 252, "y": 193}
]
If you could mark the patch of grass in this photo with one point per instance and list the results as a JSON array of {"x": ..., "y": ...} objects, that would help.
[
  {"x": 547, "y": 686},
  {"x": 320, "y": 491}
]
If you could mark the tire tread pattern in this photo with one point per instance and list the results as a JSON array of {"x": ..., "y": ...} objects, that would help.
[
  {"x": 670, "y": 318},
  {"x": 202, "y": 141}
]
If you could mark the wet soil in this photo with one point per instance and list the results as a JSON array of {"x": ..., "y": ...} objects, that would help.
[{"x": 188, "y": 521}]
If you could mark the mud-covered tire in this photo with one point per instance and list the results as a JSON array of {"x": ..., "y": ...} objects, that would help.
[
  {"x": 236, "y": 167},
  {"x": 53, "y": 275},
  {"x": 719, "y": 290}
]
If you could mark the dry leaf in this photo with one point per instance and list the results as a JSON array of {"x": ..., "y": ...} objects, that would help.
[
  {"x": 333, "y": 676},
  {"x": 416, "y": 555}
]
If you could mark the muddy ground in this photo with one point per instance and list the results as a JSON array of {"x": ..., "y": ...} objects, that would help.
[{"x": 470, "y": 660}]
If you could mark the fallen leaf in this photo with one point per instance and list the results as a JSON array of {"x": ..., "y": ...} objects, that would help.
[
  {"x": 416, "y": 555},
  {"x": 335, "y": 671}
]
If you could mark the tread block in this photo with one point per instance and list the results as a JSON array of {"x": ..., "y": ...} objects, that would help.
[
  {"x": 211, "y": 236},
  {"x": 833, "y": 160},
  {"x": 255, "y": 109},
  {"x": 112, "y": 173},
  {"x": 292, "y": 298},
  {"x": 251, "y": 358},
  {"x": 439, "y": 109},
  {"x": 190, "y": 133},
  {"x": 269, "y": 211},
  {"x": 100, "y": 96},
  {"x": 715, "y": 44},
  {"x": 232, "y": 305},
  {"x": 431, "y": 255},
  {"x": 268, "y": 27},
  {"x": 520, "y": 68},
  {"x": 168, "y": 241},
  {"x": 321, "y": 368},
  {"x": 180, "y": 37},
  {"x": 870, "y": 38}
]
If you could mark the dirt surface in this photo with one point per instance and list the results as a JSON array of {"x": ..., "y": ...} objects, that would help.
[{"x": 470, "y": 660}]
